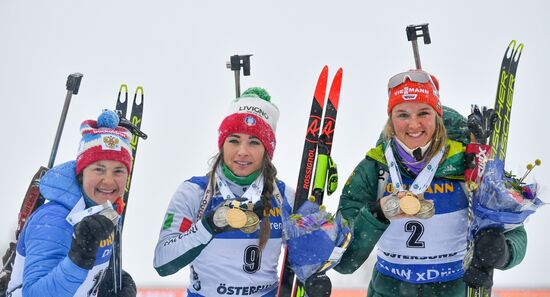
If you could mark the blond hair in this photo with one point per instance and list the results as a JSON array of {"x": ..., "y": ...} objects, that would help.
[{"x": 439, "y": 139}]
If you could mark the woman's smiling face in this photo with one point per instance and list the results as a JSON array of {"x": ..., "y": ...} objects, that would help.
[
  {"x": 243, "y": 154},
  {"x": 413, "y": 123}
]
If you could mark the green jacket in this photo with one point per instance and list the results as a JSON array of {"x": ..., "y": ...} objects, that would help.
[{"x": 362, "y": 188}]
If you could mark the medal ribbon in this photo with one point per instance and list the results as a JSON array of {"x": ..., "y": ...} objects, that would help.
[
  {"x": 74, "y": 217},
  {"x": 253, "y": 193},
  {"x": 424, "y": 178}
]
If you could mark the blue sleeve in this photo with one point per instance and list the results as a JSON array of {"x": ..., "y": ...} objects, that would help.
[{"x": 48, "y": 270}]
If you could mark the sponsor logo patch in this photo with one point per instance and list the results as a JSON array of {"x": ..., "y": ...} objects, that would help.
[{"x": 250, "y": 121}]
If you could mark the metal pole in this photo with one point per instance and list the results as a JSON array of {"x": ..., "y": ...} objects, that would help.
[
  {"x": 416, "y": 54},
  {"x": 73, "y": 84},
  {"x": 237, "y": 83}
]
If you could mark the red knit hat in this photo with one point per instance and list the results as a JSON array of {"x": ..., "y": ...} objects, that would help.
[
  {"x": 414, "y": 86},
  {"x": 104, "y": 140},
  {"x": 252, "y": 114}
]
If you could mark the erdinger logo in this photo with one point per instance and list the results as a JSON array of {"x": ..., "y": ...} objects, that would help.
[
  {"x": 407, "y": 96},
  {"x": 250, "y": 121},
  {"x": 111, "y": 142}
]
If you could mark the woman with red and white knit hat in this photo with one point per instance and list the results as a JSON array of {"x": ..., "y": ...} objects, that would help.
[
  {"x": 227, "y": 226},
  {"x": 407, "y": 198},
  {"x": 66, "y": 244}
]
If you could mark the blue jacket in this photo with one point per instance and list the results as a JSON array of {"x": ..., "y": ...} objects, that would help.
[{"x": 42, "y": 266}]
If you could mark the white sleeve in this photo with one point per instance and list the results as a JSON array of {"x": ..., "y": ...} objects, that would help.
[{"x": 181, "y": 239}]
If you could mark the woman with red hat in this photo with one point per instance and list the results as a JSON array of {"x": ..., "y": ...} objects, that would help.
[
  {"x": 66, "y": 244},
  {"x": 228, "y": 224},
  {"x": 407, "y": 197}
]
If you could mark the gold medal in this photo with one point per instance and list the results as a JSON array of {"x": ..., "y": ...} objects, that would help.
[
  {"x": 252, "y": 222},
  {"x": 409, "y": 204},
  {"x": 236, "y": 218},
  {"x": 427, "y": 209}
]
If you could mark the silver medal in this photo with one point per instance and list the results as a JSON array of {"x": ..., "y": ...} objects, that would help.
[
  {"x": 391, "y": 207},
  {"x": 109, "y": 212},
  {"x": 220, "y": 217}
]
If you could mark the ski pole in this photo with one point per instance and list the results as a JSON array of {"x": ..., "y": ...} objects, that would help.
[
  {"x": 73, "y": 84},
  {"x": 413, "y": 32},
  {"x": 235, "y": 63}
]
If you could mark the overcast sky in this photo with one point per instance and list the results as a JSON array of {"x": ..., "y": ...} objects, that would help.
[{"x": 177, "y": 51}]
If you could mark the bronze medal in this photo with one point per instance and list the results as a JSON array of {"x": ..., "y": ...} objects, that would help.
[
  {"x": 427, "y": 209},
  {"x": 409, "y": 204},
  {"x": 236, "y": 218},
  {"x": 252, "y": 222}
]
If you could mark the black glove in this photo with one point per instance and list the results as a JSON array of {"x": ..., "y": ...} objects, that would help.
[
  {"x": 490, "y": 251},
  {"x": 107, "y": 286},
  {"x": 208, "y": 222},
  {"x": 481, "y": 123},
  {"x": 318, "y": 285},
  {"x": 87, "y": 235},
  {"x": 377, "y": 212}
]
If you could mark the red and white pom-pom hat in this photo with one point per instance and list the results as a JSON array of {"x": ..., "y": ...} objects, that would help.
[
  {"x": 104, "y": 140},
  {"x": 252, "y": 114}
]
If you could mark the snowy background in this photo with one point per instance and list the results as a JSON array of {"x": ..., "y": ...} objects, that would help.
[{"x": 177, "y": 51}]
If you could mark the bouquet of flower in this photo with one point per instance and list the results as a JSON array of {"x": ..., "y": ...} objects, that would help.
[
  {"x": 502, "y": 200},
  {"x": 316, "y": 240}
]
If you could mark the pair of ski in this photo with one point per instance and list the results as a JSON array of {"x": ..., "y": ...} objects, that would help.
[
  {"x": 133, "y": 124},
  {"x": 499, "y": 136},
  {"x": 318, "y": 143}
]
